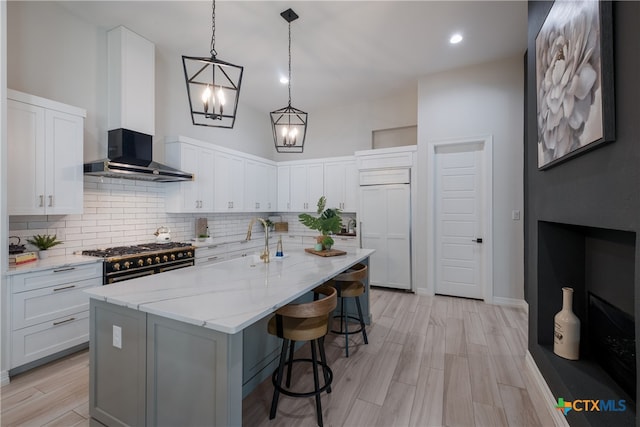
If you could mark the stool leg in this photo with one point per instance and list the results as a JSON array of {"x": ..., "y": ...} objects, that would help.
[
  {"x": 291, "y": 349},
  {"x": 364, "y": 332},
  {"x": 276, "y": 388},
  {"x": 323, "y": 359},
  {"x": 316, "y": 382},
  {"x": 346, "y": 327}
]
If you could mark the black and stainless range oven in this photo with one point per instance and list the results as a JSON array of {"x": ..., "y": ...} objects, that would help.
[{"x": 128, "y": 262}]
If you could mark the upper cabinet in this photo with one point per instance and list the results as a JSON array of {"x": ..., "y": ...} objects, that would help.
[
  {"x": 228, "y": 179},
  {"x": 130, "y": 81},
  {"x": 284, "y": 193},
  {"x": 306, "y": 186},
  {"x": 341, "y": 185},
  {"x": 224, "y": 180},
  {"x": 190, "y": 196},
  {"x": 259, "y": 187},
  {"x": 45, "y": 143}
]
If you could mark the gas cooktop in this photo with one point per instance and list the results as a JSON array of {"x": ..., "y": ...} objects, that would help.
[{"x": 135, "y": 249}]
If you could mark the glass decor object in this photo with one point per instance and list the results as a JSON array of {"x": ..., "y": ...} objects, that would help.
[
  {"x": 289, "y": 124},
  {"x": 213, "y": 86}
]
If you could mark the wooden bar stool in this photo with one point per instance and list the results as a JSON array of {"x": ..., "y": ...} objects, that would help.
[
  {"x": 303, "y": 322},
  {"x": 350, "y": 285}
]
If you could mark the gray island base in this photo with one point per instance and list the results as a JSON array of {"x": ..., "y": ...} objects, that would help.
[{"x": 184, "y": 347}]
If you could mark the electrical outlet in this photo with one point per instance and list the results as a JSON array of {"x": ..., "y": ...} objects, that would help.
[
  {"x": 515, "y": 215},
  {"x": 117, "y": 336}
]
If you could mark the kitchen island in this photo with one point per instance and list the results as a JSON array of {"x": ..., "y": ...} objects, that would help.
[{"x": 184, "y": 347}]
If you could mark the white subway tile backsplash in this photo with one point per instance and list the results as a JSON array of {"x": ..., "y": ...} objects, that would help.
[{"x": 121, "y": 212}]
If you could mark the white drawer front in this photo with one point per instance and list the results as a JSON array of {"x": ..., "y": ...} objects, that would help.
[
  {"x": 45, "y": 278},
  {"x": 46, "y": 304},
  {"x": 211, "y": 259},
  {"x": 36, "y": 342},
  {"x": 345, "y": 242},
  {"x": 208, "y": 251}
]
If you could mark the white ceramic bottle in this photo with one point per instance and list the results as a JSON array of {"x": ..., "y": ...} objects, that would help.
[{"x": 566, "y": 332}]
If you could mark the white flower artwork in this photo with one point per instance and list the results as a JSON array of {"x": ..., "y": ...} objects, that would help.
[{"x": 569, "y": 80}]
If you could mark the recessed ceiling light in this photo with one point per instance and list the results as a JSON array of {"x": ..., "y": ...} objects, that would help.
[
  {"x": 456, "y": 38},
  {"x": 284, "y": 80}
]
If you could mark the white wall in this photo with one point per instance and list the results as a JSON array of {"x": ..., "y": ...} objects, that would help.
[
  {"x": 486, "y": 99},
  {"x": 347, "y": 127},
  {"x": 56, "y": 55},
  {"x": 3, "y": 178}
]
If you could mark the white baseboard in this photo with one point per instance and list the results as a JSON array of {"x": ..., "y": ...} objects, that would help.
[
  {"x": 511, "y": 302},
  {"x": 4, "y": 378},
  {"x": 558, "y": 419},
  {"x": 424, "y": 292}
]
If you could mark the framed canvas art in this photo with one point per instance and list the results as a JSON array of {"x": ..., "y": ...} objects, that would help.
[{"x": 574, "y": 80}]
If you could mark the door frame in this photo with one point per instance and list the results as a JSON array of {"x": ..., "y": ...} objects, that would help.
[{"x": 486, "y": 142}]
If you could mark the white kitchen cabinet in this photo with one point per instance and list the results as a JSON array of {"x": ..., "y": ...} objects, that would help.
[
  {"x": 228, "y": 182},
  {"x": 284, "y": 188},
  {"x": 306, "y": 186},
  {"x": 45, "y": 143},
  {"x": 48, "y": 311},
  {"x": 256, "y": 187},
  {"x": 190, "y": 196},
  {"x": 131, "y": 81},
  {"x": 211, "y": 254},
  {"x": 272, "y": 188},
  {"x": 341, "y": 185}
]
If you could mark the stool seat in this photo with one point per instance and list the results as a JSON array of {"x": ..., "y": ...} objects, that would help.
[
  {"x": 349, "y": 289},
  {"x": 303, "y": 322}
]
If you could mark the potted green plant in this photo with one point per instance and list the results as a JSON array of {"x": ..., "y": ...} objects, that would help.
[
  {"x": 44, "y": 242},
  {"x": 327, "y": 222}
]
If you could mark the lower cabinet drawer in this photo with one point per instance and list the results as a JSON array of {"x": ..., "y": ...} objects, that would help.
[
  {"x": 345, "y": 242},
  {"x": 211, "y": 259},
  {"x": 44, "y": 339},
  {"x": 46, "y": 304}
]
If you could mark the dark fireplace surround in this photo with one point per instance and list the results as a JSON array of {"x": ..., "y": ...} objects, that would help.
[
  {"x": 582, "y": 229},
  {"x": 599, "y": 264}
]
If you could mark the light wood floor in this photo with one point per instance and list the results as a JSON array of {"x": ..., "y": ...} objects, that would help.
[{"x": 430, "y": 361}]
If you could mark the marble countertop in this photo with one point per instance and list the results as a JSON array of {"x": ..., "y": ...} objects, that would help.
[
  {"x": 228, "y": 296},
  {"x": 52, "y": 262}
]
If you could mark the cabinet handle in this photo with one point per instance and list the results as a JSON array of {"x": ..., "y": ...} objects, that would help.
[
  {"x": 213, "y": 258},
  {"x": 64, "y": 287},
  {"x": 41, "y": 200},
  {"x": 71, "y": 319},
  {"x": 64, "y": 269},
  {"x": 50, "y": 200}
]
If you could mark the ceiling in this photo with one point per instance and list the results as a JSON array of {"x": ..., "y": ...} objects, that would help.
[{"x": 342, "y": 51}]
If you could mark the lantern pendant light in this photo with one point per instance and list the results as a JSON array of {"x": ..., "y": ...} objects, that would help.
[
  {"x": 213, "y": 86},
  {"x": 289, "y": 124}
]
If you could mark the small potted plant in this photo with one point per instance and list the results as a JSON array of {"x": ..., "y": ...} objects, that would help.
[
  {"x": 43, "y": 242},
  {"x": 328, "y": 222}
]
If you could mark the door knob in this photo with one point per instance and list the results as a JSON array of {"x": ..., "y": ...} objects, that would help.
[{"x": 478, "y": 240}]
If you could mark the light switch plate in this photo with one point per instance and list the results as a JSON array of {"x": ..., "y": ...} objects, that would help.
[
  {"x": 515, "y": 215},
  {"x": 117, "y": 336}
]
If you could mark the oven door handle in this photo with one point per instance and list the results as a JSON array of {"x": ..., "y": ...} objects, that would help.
[
  {"x": 129, "y": 276},
  {"x": 174, "y": 267}
]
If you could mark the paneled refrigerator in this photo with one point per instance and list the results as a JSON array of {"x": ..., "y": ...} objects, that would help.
[{"x": 385, "y": 225}]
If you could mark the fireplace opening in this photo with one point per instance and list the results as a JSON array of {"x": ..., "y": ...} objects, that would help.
[{"x": 611, "y": 335}]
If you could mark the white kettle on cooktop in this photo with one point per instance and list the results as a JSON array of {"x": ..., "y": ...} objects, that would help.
[{"x": 163, "y": 235}]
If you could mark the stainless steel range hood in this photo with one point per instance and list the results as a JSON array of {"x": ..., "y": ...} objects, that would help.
[{"x": 129, "y": 157}]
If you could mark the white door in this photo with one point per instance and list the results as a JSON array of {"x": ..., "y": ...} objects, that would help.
[
  {"x": 385, "y": 226},
  {"x": 458, "y": 221}
]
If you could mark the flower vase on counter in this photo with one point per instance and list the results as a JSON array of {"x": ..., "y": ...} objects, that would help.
[{"x": 566, "y": 332}]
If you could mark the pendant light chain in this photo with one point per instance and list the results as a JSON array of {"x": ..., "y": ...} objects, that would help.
[
  {"x": 213, "y": 29},
  {"x": 289, "y": 64}
]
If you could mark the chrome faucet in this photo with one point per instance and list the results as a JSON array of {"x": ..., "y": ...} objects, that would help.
[{"x": 264, "y": 256}]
